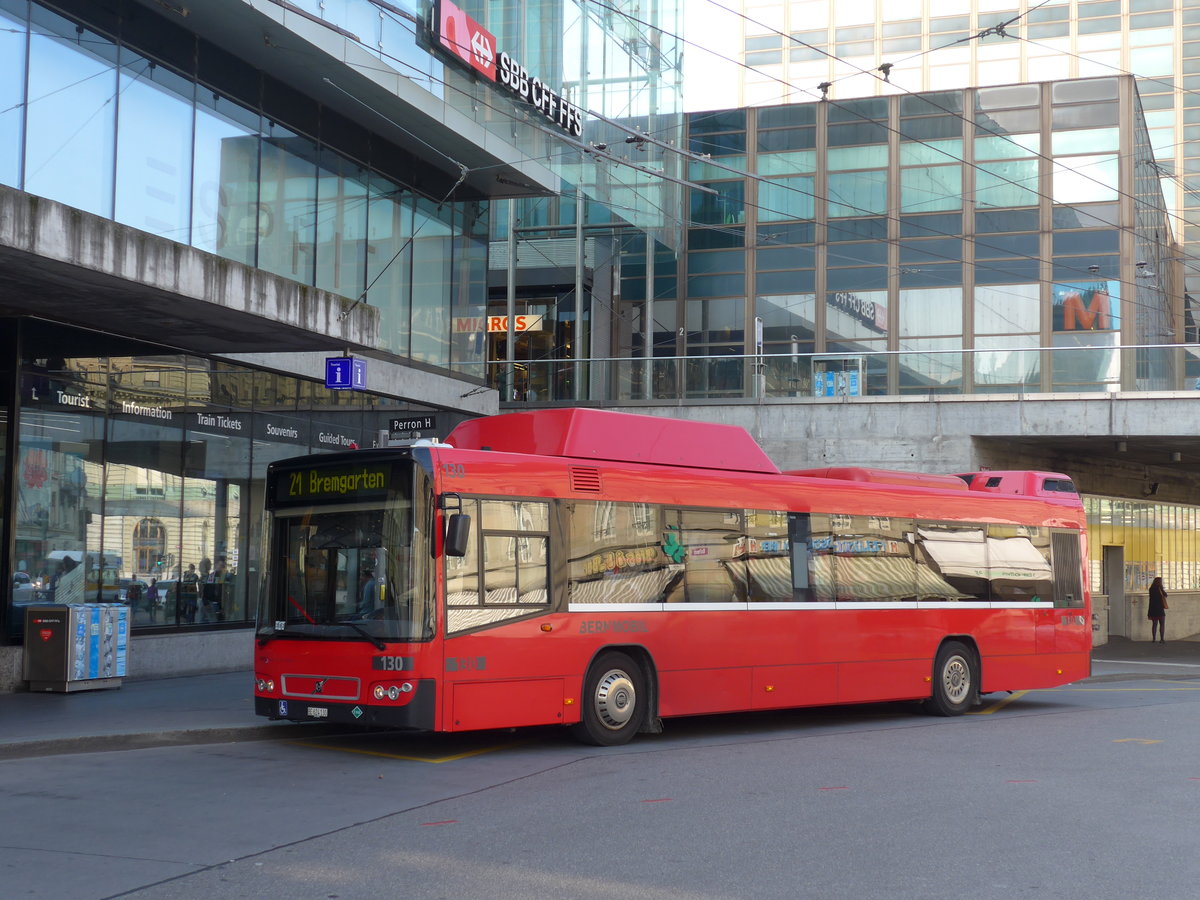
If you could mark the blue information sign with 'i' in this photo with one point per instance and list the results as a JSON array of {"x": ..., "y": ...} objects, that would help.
[{"x": 345, "y": 373}]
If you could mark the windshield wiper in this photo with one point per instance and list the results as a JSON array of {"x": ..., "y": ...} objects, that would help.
[{"x": 379, "y": 644}]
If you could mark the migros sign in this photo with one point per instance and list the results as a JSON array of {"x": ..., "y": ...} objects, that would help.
[{"x": 474, "y": 45}]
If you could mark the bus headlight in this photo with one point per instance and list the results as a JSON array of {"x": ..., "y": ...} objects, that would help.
[
  {"x": 392, "y": 691},
  {"x": 264, "y": 685}
]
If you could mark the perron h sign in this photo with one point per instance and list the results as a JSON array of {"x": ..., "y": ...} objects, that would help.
[{"x": 345, "y": 373}]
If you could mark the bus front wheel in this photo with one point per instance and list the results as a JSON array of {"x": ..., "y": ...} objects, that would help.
[
  {"x": 955, "y": 680},
  {"x": 614, "y": 701}
]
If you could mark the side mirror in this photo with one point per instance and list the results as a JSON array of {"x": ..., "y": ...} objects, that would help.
[{"x": 458, "y": 534}]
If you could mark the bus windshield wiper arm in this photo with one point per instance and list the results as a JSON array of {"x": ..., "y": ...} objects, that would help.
[{"x": 370, "y": 637}]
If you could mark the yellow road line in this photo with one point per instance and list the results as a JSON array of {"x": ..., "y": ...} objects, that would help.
[
  {"x": 999, "y": 704},
  {"x": 425, "y": 759}
]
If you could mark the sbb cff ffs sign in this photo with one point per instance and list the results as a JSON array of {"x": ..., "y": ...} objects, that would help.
[{"x": 476, "y": 47}]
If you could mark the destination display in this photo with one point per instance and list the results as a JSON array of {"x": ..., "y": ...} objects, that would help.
[{"x": 317, "y": 484}]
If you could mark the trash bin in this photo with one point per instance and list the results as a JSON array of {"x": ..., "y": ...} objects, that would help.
[{"x": 75, "y": 647}]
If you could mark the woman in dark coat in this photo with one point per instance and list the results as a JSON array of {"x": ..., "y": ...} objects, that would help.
[{"x": 1156, "y": 611}]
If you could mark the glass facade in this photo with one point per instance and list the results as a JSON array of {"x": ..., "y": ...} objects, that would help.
[
  {"x": 143, "y": 469},
  {"x": 803, "y": 43},
  {"x": 93, "y": 123},
  {"x": 849, "y": 223}
]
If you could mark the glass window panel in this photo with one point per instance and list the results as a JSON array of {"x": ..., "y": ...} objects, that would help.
[
  {"x": 12, "y": 96},
  {"x": 931, "y": 188},
  {"x": 1007, "y": 121},
  {"x": 718, "y": 144},
  {"x": 1086, "y": 216},
  {"x": 154, "y": 150},
  {"x": 721, "y": 261},
  {"x": 1084, "y": 179},
  {"x": 784, "y": 258},
  {"x": 1008, "y": 220},
  {"x": 1090, "y": 140},
  {"x": 716, "y": 285},
  {"x": 764, "y": 42},
  {"x": 726, "y": 207},
  {"x": 341, "y": 231},
  {"x": 730, "y": 167},
  {"x": 856, "y": 193},
  {"x": 1012, "y": 96},
  {"x": 931, "y": 127},
  {"x": 1003, "y": 271},
  {"x": 287, "y": 205},
  {"x": 432, "y": 281},
  {"x": 785, "y": 282},
  {"x": 858, "y": 230},
  {"x": 858, "y": 279},
  {"x": 930, "y": 311},
  {"x": 901, "y": 45},
  {"x": 71, "y": 118},
  {"x": 857, "y": 133},
  {"x": 765, "y": 58},
  {"x": 787, "y": 163},
  {"x": 1084, "y": 90},
  {"x": 710, "y": 122},
  {"x": 1008, "y": 309},
  {"x": 875, "y": 157},
  {"x": 787, "y": 139},
  {"x": 790, "y": 198},
  {"x": 225, "y": 218},
  {"x": 1008, "y": 361},
  {"x": 843, "y": 255},
  {"x": 1100, "y": 26},
  {"x": 857, "y": 110},
  {"x": 928, "y": 226},
  {"x": 1012, "y": 183},
  {"x": 930, "y": 152},
  {"x": 1010, "y": 146},
  {"x": 931, "y": 275},
  {"x": 855, "y": 314},
  {"x": 933, "y": 250},
  {"x": 389, "y": 261},
  {"x": 1083, "y": 242},
  {"x": 932, "y": 365},
  {"x": 787, "y": 116},
  {"x": 995, "y": 246}
]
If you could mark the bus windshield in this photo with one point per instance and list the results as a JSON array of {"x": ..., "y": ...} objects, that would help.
[{"x": 349, "y": 572}]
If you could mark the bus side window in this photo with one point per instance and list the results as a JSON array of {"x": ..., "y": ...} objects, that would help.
[{"x": 799, "y": 537}]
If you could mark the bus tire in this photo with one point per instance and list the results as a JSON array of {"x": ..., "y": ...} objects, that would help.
[
  {"x": 955, "y": 680},
  {"x": 614, "y": 701}
]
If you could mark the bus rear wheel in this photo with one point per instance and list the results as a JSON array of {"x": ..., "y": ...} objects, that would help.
[
  {"x": 955, "y": 680},
  {"x": 614, "y": 701}
]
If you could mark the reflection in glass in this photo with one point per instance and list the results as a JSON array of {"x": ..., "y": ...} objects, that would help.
[
  {"x": 71, "y": 115},
  {"x": 154, "y": 149},
  {"x": 12, "y": 96},
  {"x": 287, "y": 205},
  {"x": 225, "y": 182}
]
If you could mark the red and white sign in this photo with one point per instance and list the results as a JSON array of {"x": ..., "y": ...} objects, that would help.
[
  {"x": 520, "y": 323},
  {"x": 467, "y": 39}
]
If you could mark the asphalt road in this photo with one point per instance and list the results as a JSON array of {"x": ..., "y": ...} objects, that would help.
[{"x": 1090, "y": 790}]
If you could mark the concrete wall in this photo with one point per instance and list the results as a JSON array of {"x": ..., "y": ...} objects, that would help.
[
  {"x": 161, "y": 656},
  {"x": 1183, "y": 616}
]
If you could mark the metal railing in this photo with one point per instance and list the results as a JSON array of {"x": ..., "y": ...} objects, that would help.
[{"x": 848, "y": 373}]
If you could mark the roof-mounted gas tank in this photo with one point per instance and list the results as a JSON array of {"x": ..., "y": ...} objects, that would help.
[
  {"x": 603, "y": 435},
  {"x": 1048, "y": 485}
]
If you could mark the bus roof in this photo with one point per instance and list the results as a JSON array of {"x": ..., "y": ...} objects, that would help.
[
  {"x": 625, "y": 437},
  {"x": 884, "y": 476}
]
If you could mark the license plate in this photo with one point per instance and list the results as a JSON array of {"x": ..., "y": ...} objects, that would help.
[{"x": 318, "y": 712}]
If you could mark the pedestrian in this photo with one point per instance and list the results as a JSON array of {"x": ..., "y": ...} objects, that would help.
[
  {"x": 152, "y": 600},
  {"x": 189, "y": 594},
  {"x": 214, "y": 591},
  {"x": 1156, "y": 611}
]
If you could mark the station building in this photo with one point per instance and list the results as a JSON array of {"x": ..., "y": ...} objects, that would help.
[{"x": 200, "y": 204}]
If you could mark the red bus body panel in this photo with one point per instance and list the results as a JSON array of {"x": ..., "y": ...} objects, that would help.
[{"x": 530, "y": 671}]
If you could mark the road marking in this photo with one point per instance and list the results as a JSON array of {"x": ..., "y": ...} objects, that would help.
[
  {"x": 1137, "y": 741},
  {"x": 999, "y": 704},
  {"x": 1142, "y": 662},
  {"x": 407, "y": 758}
]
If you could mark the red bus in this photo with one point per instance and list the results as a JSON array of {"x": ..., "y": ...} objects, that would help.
[{"x": 605, "y": 571}]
